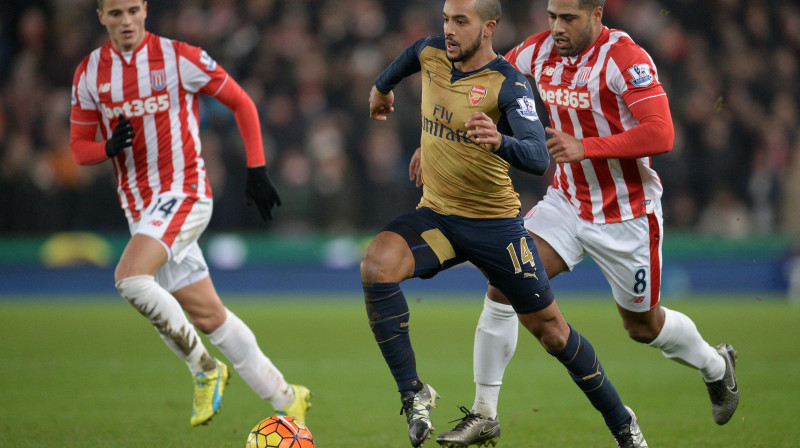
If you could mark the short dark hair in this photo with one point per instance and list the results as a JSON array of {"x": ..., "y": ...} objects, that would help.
[
  {"x": 488, "y": 9},
  {"x": 101, "y": 3},
  {"x": 591, "y": 4}
]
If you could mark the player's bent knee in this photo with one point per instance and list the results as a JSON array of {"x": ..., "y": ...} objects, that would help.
[
  {"x": 384, "y": 263},
  {"x": 643, "y": 327},
  {"x": 372, "y": 271},
  {"x": 553, "y": 340},
  {"x": 642, "y": 333},
  {"x": 207, "y": 324},
  {"x": 122, "y": 272},
  {"x": 549, "y": 333},
  {"x": 207, "y": 321},
  {"x": 369, "y": 270}
]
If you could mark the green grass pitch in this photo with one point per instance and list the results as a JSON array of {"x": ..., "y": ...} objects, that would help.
[{"x": 93, "y": 373}]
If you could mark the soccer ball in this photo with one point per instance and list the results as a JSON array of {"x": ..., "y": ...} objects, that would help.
[{"x": 280, "y": 431}]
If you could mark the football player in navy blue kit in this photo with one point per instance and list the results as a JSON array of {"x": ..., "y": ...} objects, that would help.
[{"x": 478, "y": 119}]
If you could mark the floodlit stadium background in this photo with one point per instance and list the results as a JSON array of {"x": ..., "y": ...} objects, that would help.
[
  {"x": 79, "y": 365},
  {"x": 732, "y": 182}
]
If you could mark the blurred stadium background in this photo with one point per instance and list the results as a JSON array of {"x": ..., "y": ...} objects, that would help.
[{"x": 732, "y": 183}]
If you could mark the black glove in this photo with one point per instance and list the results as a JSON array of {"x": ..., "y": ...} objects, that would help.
[
  {"x": 259, "y": 189},
  {"x": 121, "y": 137}
]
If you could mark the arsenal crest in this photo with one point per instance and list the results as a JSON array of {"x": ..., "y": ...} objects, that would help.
[{"x": 477, "y": 94}]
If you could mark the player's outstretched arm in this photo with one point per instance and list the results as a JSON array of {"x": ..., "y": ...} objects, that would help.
[
  {"x": 259, "y": 189},
  {"x": 381, "y": 98}
]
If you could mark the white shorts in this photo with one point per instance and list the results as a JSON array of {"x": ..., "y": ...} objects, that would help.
[
  {"x": 628, "y": 253},
  {"x": 177, "y": 223}
]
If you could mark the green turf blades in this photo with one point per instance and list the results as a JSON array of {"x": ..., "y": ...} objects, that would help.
[{"x": 94, "y": 373}]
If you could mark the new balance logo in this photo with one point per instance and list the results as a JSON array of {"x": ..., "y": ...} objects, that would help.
[{"x": 103, "y": 88}]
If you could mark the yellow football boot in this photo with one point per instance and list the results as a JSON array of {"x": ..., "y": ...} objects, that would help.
[
  {"x": 208, "y": 390},
  {"x": 301, "y": 403}
]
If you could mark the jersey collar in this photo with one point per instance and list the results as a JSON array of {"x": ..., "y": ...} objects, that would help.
[
  {"x": 458, "y": 74},
  {"x": 132, "y": 53}
]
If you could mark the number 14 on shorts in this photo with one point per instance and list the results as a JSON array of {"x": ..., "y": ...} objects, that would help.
[
  {"x": 526, "y": 258},
  {"x": 165, "y": 207}
]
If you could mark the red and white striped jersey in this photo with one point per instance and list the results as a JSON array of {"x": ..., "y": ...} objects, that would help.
[
  {"x": 155, "y": 87},
  {"x": 590, "y": 95}
]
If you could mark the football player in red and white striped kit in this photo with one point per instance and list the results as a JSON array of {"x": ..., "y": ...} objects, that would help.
[
  {"x": 609, "y": 115},
  {"x": 141, "y": 91}
]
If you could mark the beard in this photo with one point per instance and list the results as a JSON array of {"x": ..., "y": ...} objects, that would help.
[
  {"x": 581, "y": 43},
  {"x": 466, "y": 53}
]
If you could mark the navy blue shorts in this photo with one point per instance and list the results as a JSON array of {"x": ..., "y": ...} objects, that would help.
[{"x": 500, "y": 247}]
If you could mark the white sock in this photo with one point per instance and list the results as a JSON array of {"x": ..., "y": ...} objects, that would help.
[
  {"x": 168, "y": 318},
  {"x": 680, "y": 340},
  {"x": 495, "y": 342},
  {"x": 238, "y": 343}
]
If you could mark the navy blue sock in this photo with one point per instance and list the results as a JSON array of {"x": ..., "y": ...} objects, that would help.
[
  {"x": 387, "y": 311},
  {"x": 581, "y": 361}
]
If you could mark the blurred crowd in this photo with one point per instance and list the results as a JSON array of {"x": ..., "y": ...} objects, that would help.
[{"x": 731, "y": 69}]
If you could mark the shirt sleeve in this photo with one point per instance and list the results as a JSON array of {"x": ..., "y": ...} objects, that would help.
[
  {"x": 653, "y": 135},
  {"x": 244, "y": 110},
  {"x": 199, "y": 72},
  {"x": 405, "y": 64},
  {"x": 523, "y": 141},
  {"x": 520, "y": 56},
  {"x": 83, "y": 122},
  {"x": 633, "y": 76}
]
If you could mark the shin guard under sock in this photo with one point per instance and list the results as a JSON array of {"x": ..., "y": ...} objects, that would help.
[
  {"x": 679, "y": 340},
  {"x": 168, "y": 318},
  {"x": 388, "y": 314},
  {"x": 238, "y": 343},
  {"x": 495, "y": 342},
  {"x": 581, "y": 361}
]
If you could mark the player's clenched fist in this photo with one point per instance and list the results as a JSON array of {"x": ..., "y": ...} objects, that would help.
[
  {"x": 259, "y": 190},
  {"x": 121, "y": 137},
  {"x": 484, "y": 130},
  {"x": 563, "y": 147},
  {"x": 380, "y": 104}
]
